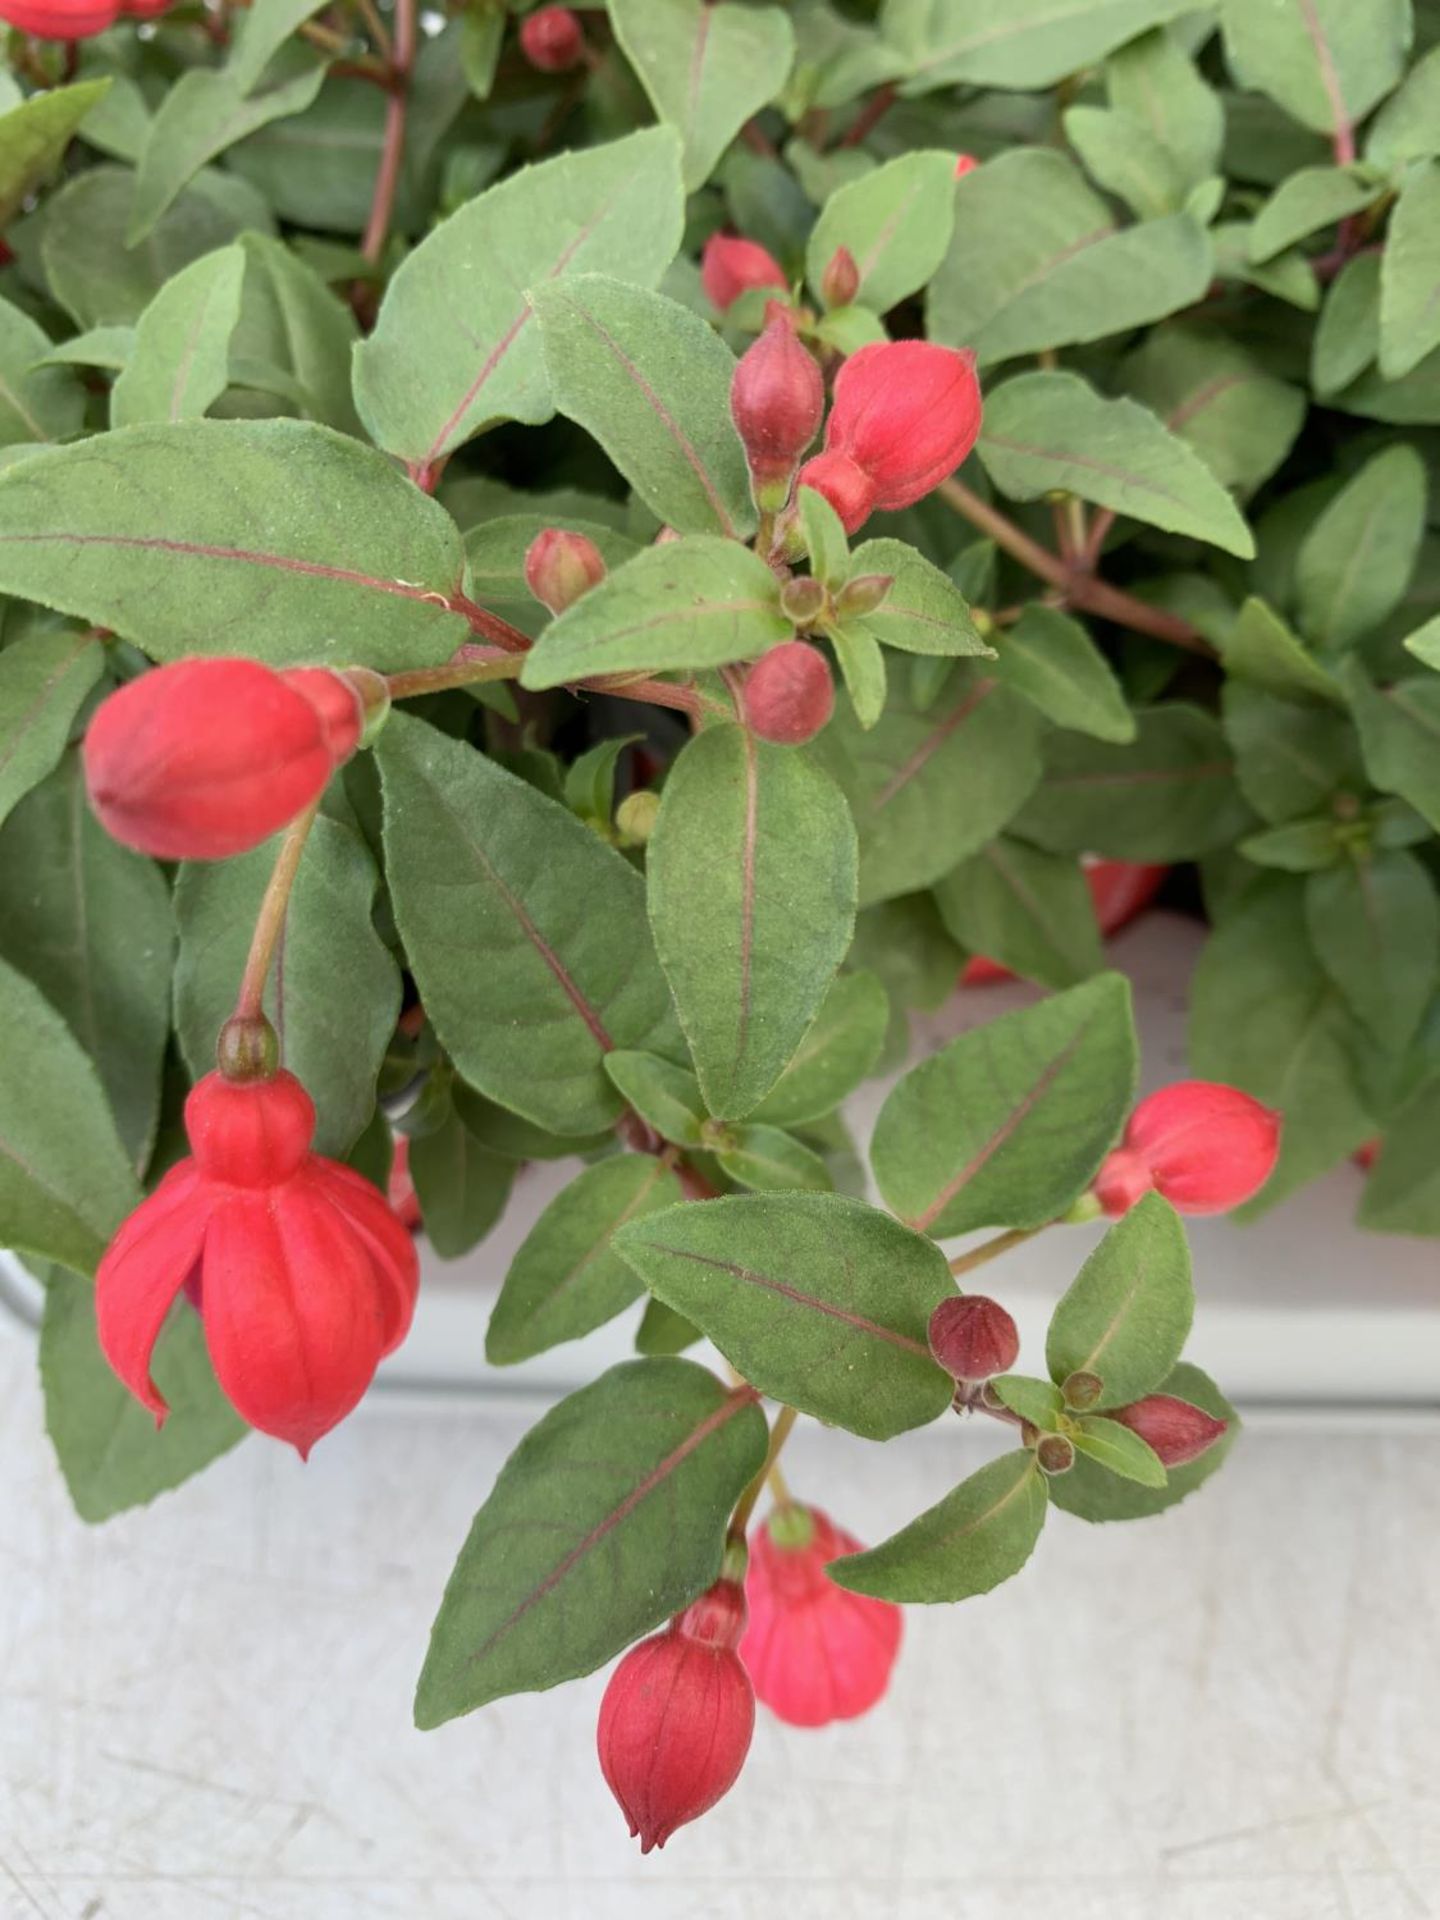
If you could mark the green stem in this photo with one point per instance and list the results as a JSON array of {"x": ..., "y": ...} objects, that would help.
[
  {"x": 992, "y": 1249},
  {"x": 250, "y": 999},
  {"x": 779, "y": 1434},
  {"x": 473, "y": 667}
]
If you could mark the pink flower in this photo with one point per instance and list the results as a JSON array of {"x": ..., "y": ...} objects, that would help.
[
  {"x": 1205, "y": 1147},
  {"x": 730, "y": 266},
  {"x": 815, "y": 1652}
]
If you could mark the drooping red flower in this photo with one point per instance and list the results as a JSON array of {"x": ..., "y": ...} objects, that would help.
[
  {"x": 677, "y": 1717},
  {"x": 816, "y": 1652},
  {"x": 905, "y": 414},
  {"x": 789, "y": 694},
  {"x": 777, "y": 401},
  {"x": 552, "y": 39},
  {"x": 1119, "y": 890},
  {"x": 302, "y": 1275},
  {"x": 561, "y": 565},
  {"x": 1204, "y": 1146},
  {"x": 1173, "y": 1429},
  {"x": 206, "y": 758},
  {"x": 731, "y": 265},
  {"x": 60, "y": 19}
]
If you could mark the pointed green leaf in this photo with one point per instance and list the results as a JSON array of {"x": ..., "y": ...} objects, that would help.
[
  {"x": 1355, "y": 563},
  {"x": 1407, "y": 127},
  {"x": 665, "y": 1096},
  {"x": 1091, "y": 1493},
  {"x": 1024, "y": 43},
  {"x": 821, "y": 1301},
  {"x": 924, "y": 611},
  {"x": 1126, "y": 159},
  {"x": 260, "y": 33},
  {"x": 180, "y": 362},
  {"x": 1348, "y": 336},
  {"x": 608, "y": 1517},
  {"x": 290, "y": 319},
  {"x": 768, "y": 1160},
  {"x": 1117, "y": 1450},
  {"x": 1029, "y": 911},
  {"x": 1051, "y": 659},
  {"x": 1155, "y": 82},
  {"x": 37, "y": 403},
  {"x": 862, "y": 667},
  {"x": 44, "y": 678},
  {"x": 1038, "y": 1401},
  {"x": 965, "y": 1544},
  {"x": 1375, "y": 924},
  {"x": 461, "y": 1186},
  {"x": 1410, "y": 275},
  {"x": 840, "y": 1048},
  {"x": 1128, "y": 1311},
  {"x": 1262, "y": 650},
  {"x": 1400, "y": 736},
  {"x": 1326, "y": 62},
  {"x": 1314, "y": 197},
  {"x": 825, "y": 540},
  {"x": 34, "y": 136},
  {"x": 1219, "y": 399}
]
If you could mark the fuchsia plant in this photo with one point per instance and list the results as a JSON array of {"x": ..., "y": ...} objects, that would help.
[{"x": 528, "y": 644}]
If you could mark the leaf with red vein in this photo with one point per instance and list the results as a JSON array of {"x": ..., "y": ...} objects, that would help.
[
  {"x": 819, "y": 1300},
  {"x": 608, "y": 1517}
]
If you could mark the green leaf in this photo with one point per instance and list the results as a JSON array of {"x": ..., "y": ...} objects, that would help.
[
  {"x": 507, "y": 1134},
  {"x": 1288, "y": 277},
  {"x": 1045, "y": 431},
  {"x": 335, "y": 998},
  {"x": 896, "y": 223},
  {"x": 1169, "y": 795},
  {"x": 1314, "y": 197},
  {"x": 180, "y": 362},
  {"x": 1058, "y": 272},
  {"x": 1219, "y": 399},
  {"x": 1348, "y": 336},
  {"x": 1290, "y": 760},
  {"x": 1355, "y": 563},
  {"x": 525, "y": 932},
  {"x": 44, "y": 678},
  {"x": 65, "y": 1181},
  {"x": 862, "y": 667},
  {"x": 1407, "y": 127},
  {"x": 819, "y": 1300},
  {"x": 663, "y": 1331},
  {"x": 454, "y": 348},
  {"x": 696, "y": 602},
  {"x": 705, "y": 68},
  {"x": 1262, "y": 651},
  {"x": 34, "y": 136},
  {"x": 297, "y": 543},
  {"x": 1265, "y": 1017},
  {"x": 965, "y": 1544},
  {"x": 260, "y": 33},
  {"x": 840, "y": 1048},
  {"x": 89, "y": 923},
  {"x": 752, "y": 884},
  {"x": 1299, "y": 846},
  {"x": 665, "y": 1096},
  {"x": 1326, "y": 62},
  {"x": 1410, "y": 275},
  {"x": 928, "y": 787},
  {"x": 290, "y": 319},
  {"x": 1038, "y": 1401},
  {"x": 1126, "y": 159},
  {"x": 1155, "y": 82},
  {"x": 1091, "y": 1493},
  {"x": 1399, "y": 733},
  {"x": 109, "y": 1448},
  {"x": 650, "y": 380},
  {"x": 825, "y": 540},
  {"x": 1402, "y": 1188},
  {"x": 461, "y": 1186},
  {"x": 566, "y": 1280},
  {"x": 772, "y": 1161},
  {"x": 1117, "y": 1450},
  {"x": 205, "y": 112},
  {"x": 1375, "y": 924},
  {"x": 1029, "y": 911},
  {"x": 1008, "y": 1124},
  {"x": 37, "y": 403},
  {"x": 1023, "y": 44},
  {"x": 924, "y": 612},
  {"x": 608, "y": 1517},
  {"x": 1126, "y": 1315},
  {"x": 1049, "y": 658},
  {"x": 105, "y": 347}
]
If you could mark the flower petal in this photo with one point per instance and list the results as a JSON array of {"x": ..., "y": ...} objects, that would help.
[{"x": 144, "y": 1267}]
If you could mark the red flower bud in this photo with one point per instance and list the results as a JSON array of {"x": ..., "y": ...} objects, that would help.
[
  {"x": 303, "y": 1276},
  {"x": 560, "y": 566},
  {"x": 815, "y": 1652},
  {"x": 552, "y": 40},
  {"x": 206, "y": 758},
  {"x": 840, "y": 282},
  {"x": 906, "y": 414},
  {"x": 1205, "y": 1147},
  {"x": 777, "y": 401},
  {"x": 973, "y": 1337},
  {"x": 965, "y": 163},
  {"x": 1174, "y": 1430},
  {"x": 730, "y": 266},
  {"x": 789, "y": 694},
  {"x": 677, "y": 1716},
  {"x": 60, "y": 19}
]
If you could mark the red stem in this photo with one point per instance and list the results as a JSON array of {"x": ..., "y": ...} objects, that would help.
[
  {"x": 387, "y": 177},
  {"x": 869, "y": 116}
]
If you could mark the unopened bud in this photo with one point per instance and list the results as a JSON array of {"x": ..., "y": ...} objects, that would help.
[
  {"x": 636, "y": 815},
  {"x": 1055, "y": 1453},
  {"x": 247, "y": 1048},
  {"x": 1082, "y": 1390},
  {"x": 804, "y": 600},
  {"x": 777, "y": 401},
  {"x": 560, "y": 566},
  {"x": 1175, "y": 1431},
  {"x": 973, "y": 1337},
  {"x": 1204, "y": 1146},
  {"x": 840, "y": 282},
  {"x": 789, "y": 694},
  {"x": 864, "y": 594},
  {"x": 552, "y": 40}
]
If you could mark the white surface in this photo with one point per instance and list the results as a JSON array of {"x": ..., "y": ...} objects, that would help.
[{"x": 1229, "y": 1713}]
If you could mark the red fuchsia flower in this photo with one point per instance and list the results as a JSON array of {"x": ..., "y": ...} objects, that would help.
[
  {"x": 906, "y": 413},
  {"x": 1205, "y": 1147},
  {"x": 552, "y": 39},
  {"x": 965, "y": 163},
  {"x": 60, "y": 19},
  {"x": 777, "y": 401},
  {"x": 815, "y": 1652},
  {"x": 730, "y": 266},
  {"x": 206, "y": 758},
  {"x": 789, "y": 694},
  {"x": 1174, "y": 1430},
  {"x": 676, "y": 1720},
  {"x": 560, "y": 566},
  {"x": 1119, "y": 889},
  {"x": 302, "y": 1275}
]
